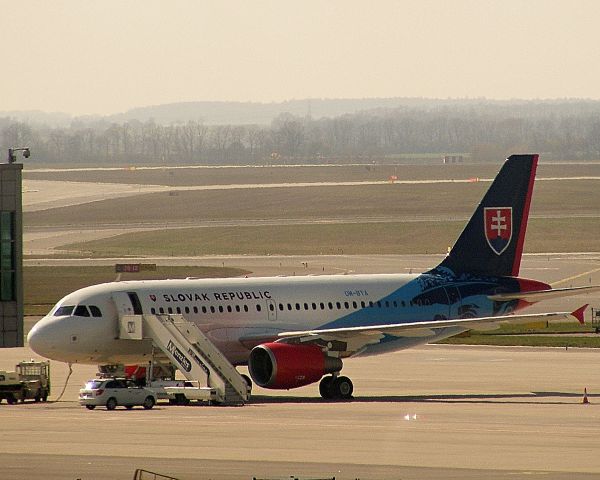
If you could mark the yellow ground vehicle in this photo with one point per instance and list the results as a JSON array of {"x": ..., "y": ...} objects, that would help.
[{"x": 29, "y": 381}]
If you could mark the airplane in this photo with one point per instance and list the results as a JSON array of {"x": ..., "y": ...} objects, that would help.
[{"x": 295, "y": 331}]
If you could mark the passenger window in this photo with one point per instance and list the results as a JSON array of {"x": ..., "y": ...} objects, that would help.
[
  {"x": 245, "y": 308},
  {"x": 195, "y": 309},
  {"x": 258, "y": 309},
  {"x": 187, "y": 309},
  {"x": 203, "y": 309},
  {"x": 212, "y": 309},
  {"x": 338, "y": 305},
  {"x": 281, "y": 307},
  {"x": 306, "y": 306},
  {"x": 289, "y": 306},
  {"x": 170, "y": 310},
  {"x": 82, "y": 311},
  {"x": 220, "y": 308},
  {"x": 346, "y": 305},
  {"x": 237, "y": 308},
  {"x": 179, "y": 310},
  {"x": 387, "y": 304},
  {"x": 161, "y": 310},
  {"x": 95, "y": 311},
  {"x": 363, "y": 304},
  {"x": 153, "y": 311},
  {"x": 354, "y": 305},
  {"x": 330, "y": 305},
  {"x": 297, "y": 306},
  {"x": 379, "y": 304},
  {"x": 314, "y": 306},
  {"x": 229, "y": 309},
  {"x": 271, "y": 307},
  {"x": 395, "y": 304},
  {"x": 322, "y": 306}
]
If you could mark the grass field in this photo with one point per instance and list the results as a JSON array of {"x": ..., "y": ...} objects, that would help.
[
  {"x": 544, "y": 235},
  {"x": 242, "y": 175},
  {"x": 454, "y": 200},
  {"x": 44, "y": 286}
]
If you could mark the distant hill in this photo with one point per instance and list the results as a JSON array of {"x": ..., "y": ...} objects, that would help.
[
  {"x": 244, "y": 113},
  {"x": 247, "y": 113}
]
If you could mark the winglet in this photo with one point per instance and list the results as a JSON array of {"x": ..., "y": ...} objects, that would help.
[{"x": 578, "y": 314}]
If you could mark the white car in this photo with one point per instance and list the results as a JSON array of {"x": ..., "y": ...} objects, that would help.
[{"x": 115, "y": 392}]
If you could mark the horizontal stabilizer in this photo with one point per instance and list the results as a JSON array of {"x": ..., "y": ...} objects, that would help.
[{"x": 537, "y": 295}]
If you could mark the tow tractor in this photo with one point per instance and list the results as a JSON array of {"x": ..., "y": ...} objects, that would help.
[{"x": 29, "y": 381}]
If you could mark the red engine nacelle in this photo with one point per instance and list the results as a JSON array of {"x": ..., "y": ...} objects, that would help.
[{"x": 285, "y": 366}]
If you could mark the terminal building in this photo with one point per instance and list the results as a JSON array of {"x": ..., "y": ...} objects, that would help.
[{"x": 11, "y": 255}]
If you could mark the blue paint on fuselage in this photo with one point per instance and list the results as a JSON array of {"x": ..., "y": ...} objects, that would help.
[{"x": 436, "y": 295}]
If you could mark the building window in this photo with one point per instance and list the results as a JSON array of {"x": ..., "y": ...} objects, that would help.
[{"x": 7, "y": 256}]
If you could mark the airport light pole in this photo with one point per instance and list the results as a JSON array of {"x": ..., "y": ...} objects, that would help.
[{"x": 12, "y": 155}]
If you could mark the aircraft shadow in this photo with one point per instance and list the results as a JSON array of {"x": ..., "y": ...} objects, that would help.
[{"x": 547, "y": 398}]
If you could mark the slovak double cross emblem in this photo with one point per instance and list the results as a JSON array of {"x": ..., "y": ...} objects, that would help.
[{"x": 498, "y": 227}]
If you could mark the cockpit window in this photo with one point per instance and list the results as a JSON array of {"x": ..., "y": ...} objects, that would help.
[
  {"x": 64, "y": 310},
  {"x": 82, "y": 311},
  {"x": 95, "y": 311}
]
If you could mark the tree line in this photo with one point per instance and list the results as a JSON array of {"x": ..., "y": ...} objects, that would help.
[{"x": 484, "y": 133}]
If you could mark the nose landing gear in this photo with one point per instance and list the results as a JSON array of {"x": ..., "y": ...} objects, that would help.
[{"x": 336, "y": 388}]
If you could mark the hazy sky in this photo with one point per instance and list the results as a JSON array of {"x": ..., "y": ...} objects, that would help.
[{"x": 108, "y": 56}]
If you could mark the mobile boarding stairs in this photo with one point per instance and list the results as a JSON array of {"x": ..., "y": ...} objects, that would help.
[{"x": 198, "y": 359}]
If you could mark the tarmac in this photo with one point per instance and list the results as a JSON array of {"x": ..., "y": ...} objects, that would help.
[{"x": 436, "y": 412}]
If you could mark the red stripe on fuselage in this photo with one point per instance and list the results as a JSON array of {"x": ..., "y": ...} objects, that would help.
[{"x": 524, "y": 218}]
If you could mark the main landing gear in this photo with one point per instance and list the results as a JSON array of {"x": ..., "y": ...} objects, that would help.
[{"x": 336, "y": 388}]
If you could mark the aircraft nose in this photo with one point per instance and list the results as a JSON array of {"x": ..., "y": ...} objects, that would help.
[{"x": 45, "y": 337}]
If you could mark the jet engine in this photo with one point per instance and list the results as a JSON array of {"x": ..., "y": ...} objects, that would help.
[{"x": 284, "y": 366}]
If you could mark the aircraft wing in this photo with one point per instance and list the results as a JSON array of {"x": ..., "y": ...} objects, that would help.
[
  {"x": 537, "y": 295},
  {"x": 415, "y": 329}
]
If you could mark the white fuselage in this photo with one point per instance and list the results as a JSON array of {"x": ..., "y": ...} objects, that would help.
[{"x": 236, "y": 314}]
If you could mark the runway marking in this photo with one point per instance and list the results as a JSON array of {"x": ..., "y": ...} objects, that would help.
[{"x": 568, "y": 279}]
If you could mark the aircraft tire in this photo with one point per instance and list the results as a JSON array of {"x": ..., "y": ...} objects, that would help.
[
  {"x": 325, "y": 387},
  {"x": 342, "y": 388}
]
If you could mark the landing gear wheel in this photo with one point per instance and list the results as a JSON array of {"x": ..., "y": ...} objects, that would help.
[
  {"x": 111, "y": 403},
  {"x": 342, "y": 388},
  {"x": 325, "y": 388}
]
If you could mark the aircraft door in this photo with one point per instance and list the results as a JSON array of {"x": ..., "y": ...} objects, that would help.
[
  {"x": 271, "y": 310},
  {"x": 454, "y": 301},
  {"x": 123, "y": 303}
]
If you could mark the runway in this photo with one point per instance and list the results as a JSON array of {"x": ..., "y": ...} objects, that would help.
[{"x": 432, "y": 412}]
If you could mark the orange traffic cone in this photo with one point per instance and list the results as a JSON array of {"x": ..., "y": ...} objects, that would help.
[{"x": 585, "y": 400}]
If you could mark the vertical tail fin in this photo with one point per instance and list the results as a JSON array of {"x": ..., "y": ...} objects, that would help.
[{"x": 492, "y": 241}]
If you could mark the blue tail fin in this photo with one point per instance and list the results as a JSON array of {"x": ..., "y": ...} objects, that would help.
[{"x": 492, "y": 241}]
